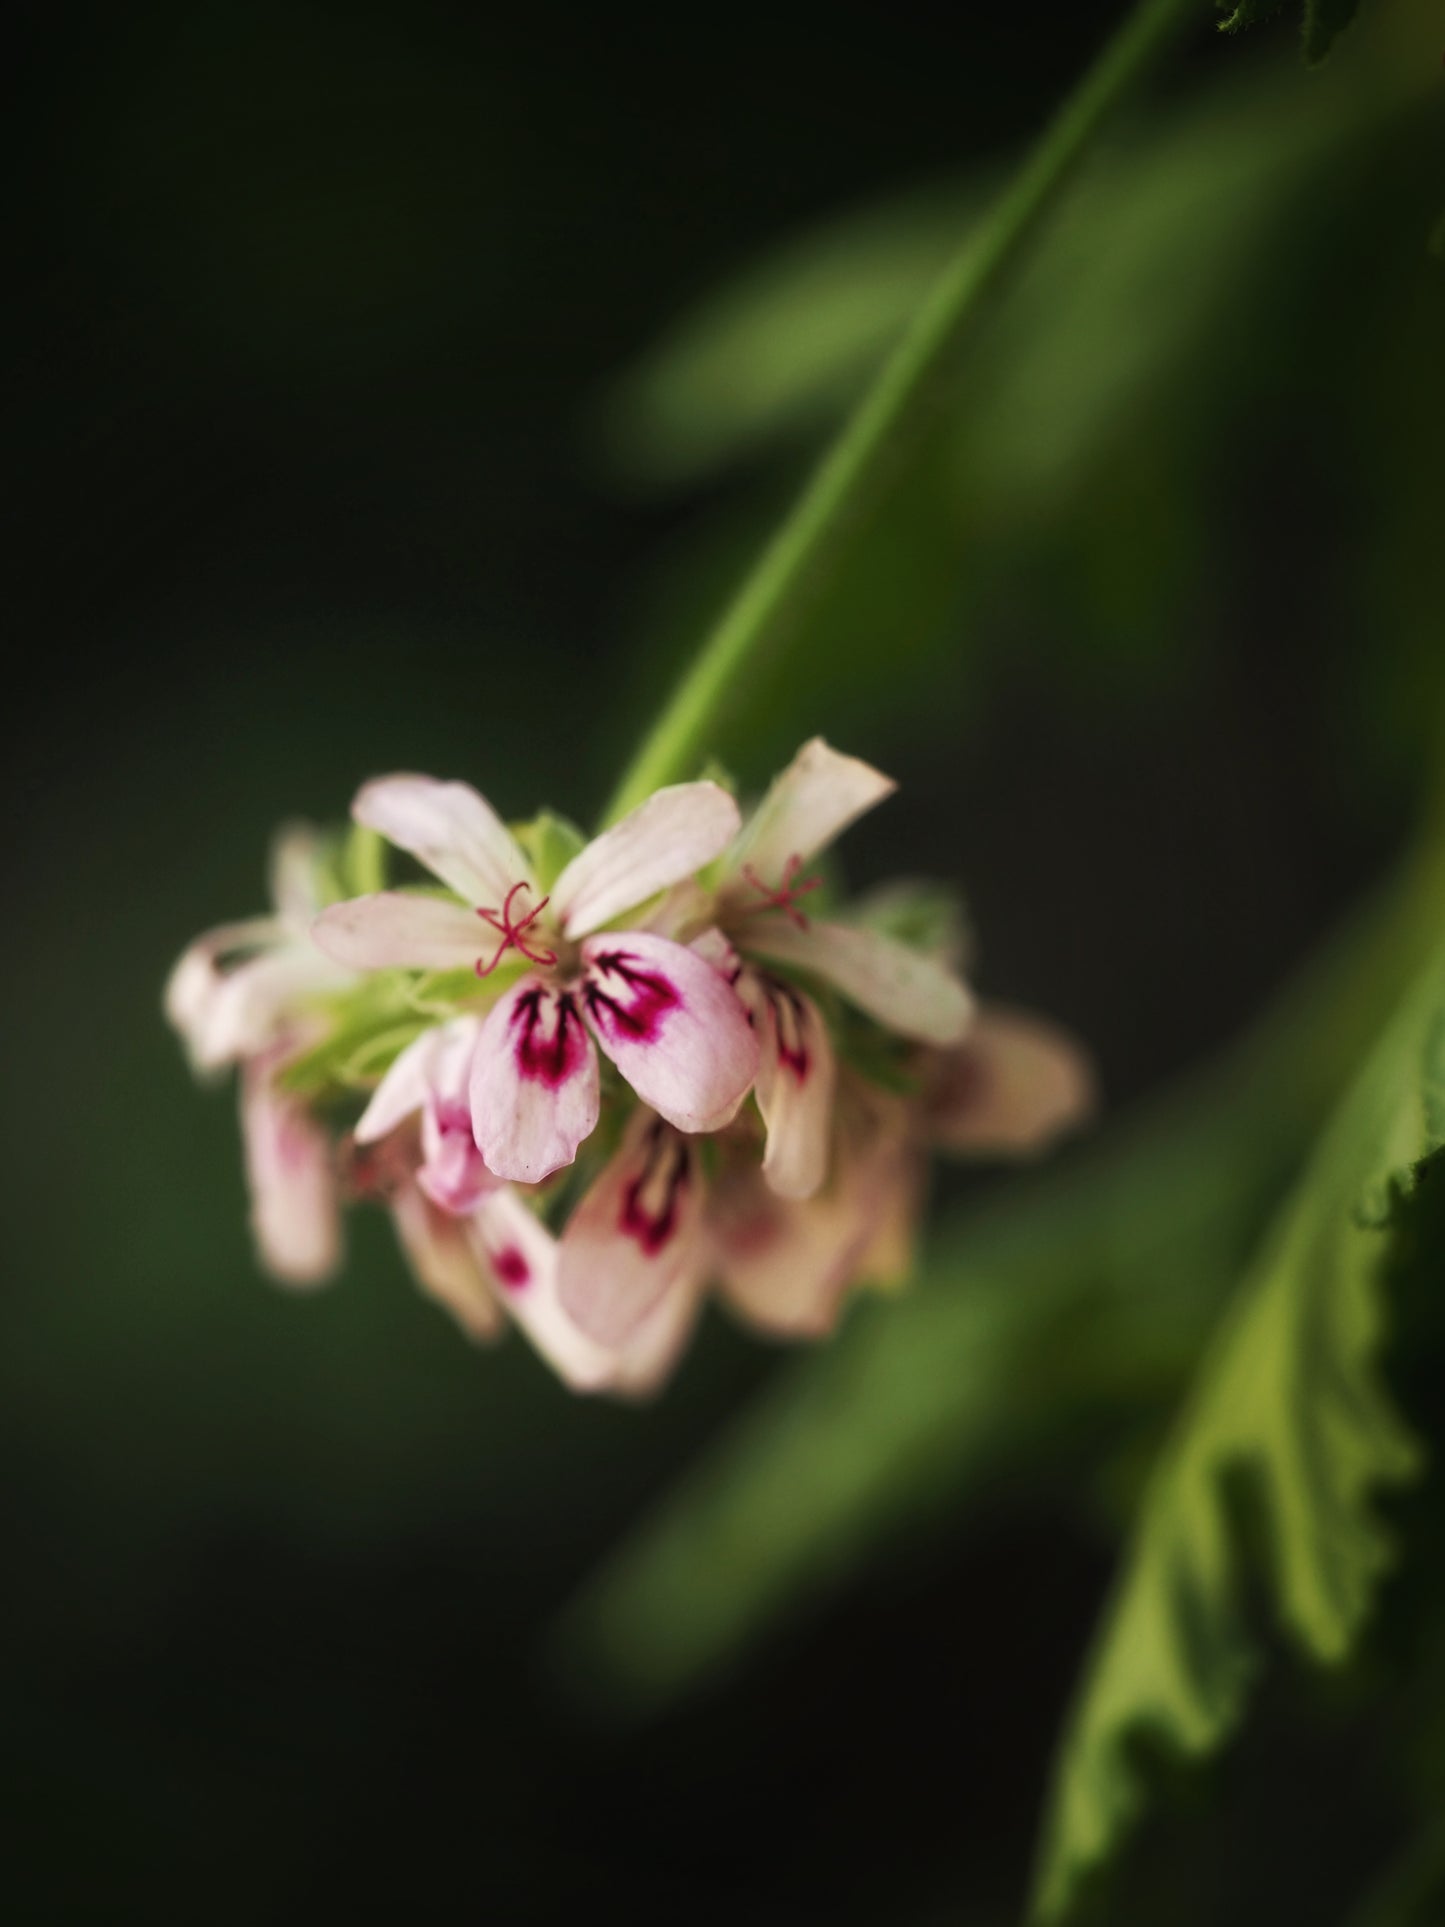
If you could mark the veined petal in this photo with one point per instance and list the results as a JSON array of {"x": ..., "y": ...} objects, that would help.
[
  {"x": 635, "y": 1236},
  {"x": 445, "y": 1264},
  {"x": 521, "y": 1258},
  {"x": 672, "y": 1025},
  {"x": 291, "y": 1173},
  {"x": 903, "y": 989},
  {"x": 797, "y": 1076},
  {"x": 1015, "y": 1085},
  {"x": 451, "y": 829},
  {"x": 673, "y": 833},
  {"x": 394, "y": 929},
  {"x": 808, "y": 806},
  {"x": 535, "y": 1089},
  {"x": 439, "y": 1063}
]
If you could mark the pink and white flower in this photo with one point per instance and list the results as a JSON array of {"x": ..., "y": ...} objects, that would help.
[
  {"x": 239, "y": 987},
  {"x": 493, "y": 1262},
  {"x": 433, "y": 1076},
  {"x": 665, "y": 1018},
  {"x": 755, "y": 920}
]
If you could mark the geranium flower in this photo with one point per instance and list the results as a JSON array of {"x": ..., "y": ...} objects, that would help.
[
  {"x": 666, "y": 1019},
  {"x": 472, "y": 1241},
  {"x": 755, "y": 917},
  {"x": 238, "y": 987}
]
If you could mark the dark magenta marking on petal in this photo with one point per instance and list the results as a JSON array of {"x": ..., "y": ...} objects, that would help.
[
  {"x": 650, "y": 1203},
  {"x": 788, "y": 1023},
  {"x": 549, "y": 1056},
  {"x": 512, "y": 1268},
  {"x": 638, "y": 1009}
]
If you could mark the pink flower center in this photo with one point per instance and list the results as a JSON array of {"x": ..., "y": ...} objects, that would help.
[
  {"x": 785, "y": 897},
  {"x": 514, "y": 935}
]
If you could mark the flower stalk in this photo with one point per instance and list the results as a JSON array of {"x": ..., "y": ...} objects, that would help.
[{"x": 887, "y": 420}]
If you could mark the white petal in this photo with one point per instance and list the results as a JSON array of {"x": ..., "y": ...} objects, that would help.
[
  {"x": 797, "y": 1074},
  {"x": 535, "y": 1088},
  {"x": 647, "y": 1360},
  {"x": 672, "y": 1025},
  {"x": 392, "y": 929},
  {"x": 787, "y": 1264},
  {"x": 635, "y": 1236},
  {"x": 813, "y": 801},
  {"x": 1014, "y": 1086},
  {"x": 295, "y": 854},
  {"x": 903, "y": 989},
  {"x": 521, "y": 1256},
  {"x": 451, "y": 829},
  {"x": 675, "y": 832},
  {"x": 439, "y": 1061},
  {"x": 291, "y": 1172},
  {"x": 444, "y": 1263},
  {"x": 198, "y": 976}
]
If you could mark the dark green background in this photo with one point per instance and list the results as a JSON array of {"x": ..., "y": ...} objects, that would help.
[{"x": 317, "y": 305}]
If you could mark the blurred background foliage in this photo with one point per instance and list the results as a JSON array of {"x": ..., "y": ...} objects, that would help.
[{"x": 343, "y": 448}]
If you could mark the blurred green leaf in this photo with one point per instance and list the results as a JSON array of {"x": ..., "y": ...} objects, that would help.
[
  {"x": 1289, "y": 1413},
  {"x": 1411, "y": 1892},
  {"x": 1325, "y": 21},
  {"x": 1080, "y": 483}
]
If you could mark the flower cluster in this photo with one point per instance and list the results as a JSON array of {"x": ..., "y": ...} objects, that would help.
[{"x": 594, "y": 1081}]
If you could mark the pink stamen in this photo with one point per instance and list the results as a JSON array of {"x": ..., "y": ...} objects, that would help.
[
  {"x": 514, "y": 934},
  {"x": 785, "y": 897}
]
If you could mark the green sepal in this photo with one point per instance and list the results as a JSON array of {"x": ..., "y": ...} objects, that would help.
[
  {"x": 926, "y": 916},
  {"x": 550, "y": 842},
  {"x": 363, "y": 862}
]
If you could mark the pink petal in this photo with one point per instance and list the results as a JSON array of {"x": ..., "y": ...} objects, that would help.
[
  {"x": 906, "y": 991},
  {"x": 444, "y": 1263},
  {"x": 797, "y": 1074},
  {"x": 392, "y": 929},
  {"x": 438, "y": 1063},
  {"x": 291, "y": 1172},
  {"x": 1014, "y": 1086},
  {"x": 635, "y": 1236},
  {"x": 784, "y": 1263},
  {"x": 521, "y": 1258},
  {"x": 672, "y": 1025},
  {"x": 199, "y": 976},
  {"x": 451, "y": 829},
  {"x": 675, "y": 832},
  {"x": 650, "y": 1355},
  {"x": 535, "y": 1087},
  {"x": 787, "y": 1264},
  {"x": 813, "y": 801}
]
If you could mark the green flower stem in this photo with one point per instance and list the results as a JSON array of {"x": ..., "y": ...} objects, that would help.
[{"x": 888, "y": 417}]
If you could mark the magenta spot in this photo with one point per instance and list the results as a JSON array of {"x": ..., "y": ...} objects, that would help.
[
  {"x": 650, "y": 1202},
  {"x": 550, "y": 1046},
  {"x": 512, "y": 1268},
  {"x": 788, "y": 1017},
  {"x": 634, "y": 1006}
]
